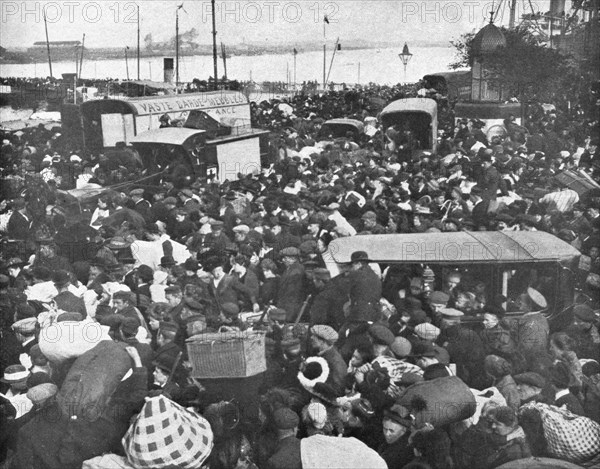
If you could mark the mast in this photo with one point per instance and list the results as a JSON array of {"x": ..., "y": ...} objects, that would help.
[
  {"x": 224, "y": 57},
  {"x": 127, "y": 62},
  {"x": 177, "y": 49},
  {"x": 48, "y": 44},
  {"x": 513, "y": 7},
  {"x": 325, "y": 21},
  {"x": 214, "y": 32},
  {"x": 138, "y": 42},
  {"x": 332, "y": 57},
  {"x": 81, "y": 58}
]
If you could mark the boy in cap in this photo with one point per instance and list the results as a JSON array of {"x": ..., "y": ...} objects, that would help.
[
  {"x": 396, "y": 449},
  {"x": 560, "y": 377},
  {"x": 322, "y": 339},
  {"x": 25, "y": 331}
]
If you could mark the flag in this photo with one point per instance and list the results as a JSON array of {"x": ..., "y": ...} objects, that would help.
[
  {"x": 326, "y": 19},
  {"x": 295, "y": 51},
  {"x": 339, "y": 47}
]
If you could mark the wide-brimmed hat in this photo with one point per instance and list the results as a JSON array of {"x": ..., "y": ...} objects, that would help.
[
  {"x": 398, "y": 414},
  {"x": 15, "y": 374},
  {"x": 359, "y": 256}
]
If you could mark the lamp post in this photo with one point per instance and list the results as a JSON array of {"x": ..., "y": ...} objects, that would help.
[{"x": 405, "y": 57}]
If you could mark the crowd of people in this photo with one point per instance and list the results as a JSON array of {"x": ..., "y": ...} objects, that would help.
[{"x": 156, "y": 264}]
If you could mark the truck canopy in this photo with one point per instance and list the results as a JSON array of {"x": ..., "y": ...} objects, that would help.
[
  {"x": 166, "y": 136},
  {"x": 455, "y": 248}
]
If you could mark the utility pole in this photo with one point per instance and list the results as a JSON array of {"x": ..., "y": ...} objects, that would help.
[
  {"x": 214, "y": 32},
  {"x": 48, "y": 44},
  {"x": 325, "y": 23},
  {"x": 358, "y": 81},
  {"x": 127, "y": 62},
  {"x": 224, "y": 57},
  {"x": 177, "y": 49},
  {"x": 513, "y": 7},
  {"x": 138, "y": 42}
]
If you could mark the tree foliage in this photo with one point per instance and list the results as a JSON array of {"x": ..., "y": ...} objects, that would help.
[{"x": 527, "y": 68}]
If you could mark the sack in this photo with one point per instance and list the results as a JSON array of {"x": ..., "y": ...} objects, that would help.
[
  {"x": 569, "y": 436},
  {"x": 439, "y": 402},
  {"x": 323, "y": 452},
  {"x": 482, "y": 398},
  {"x": 93, "y": 379},
  {"x": 62, "y": 341},
  {"x": 164, "y": 434}
]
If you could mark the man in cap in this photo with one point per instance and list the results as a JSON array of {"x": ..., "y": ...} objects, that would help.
[
  {"x": 396, "y": 450},
  {"x": 533, "y": 328},
  {"x": 530, "y": 385},
  {"x": 322, "y": 340},
  {"x": 141, "y": 205},
  {"x": 292, "y": 283},
  {"x": 124, "y": 305},
  {"x": 584, "y": 332},
  {"x": 287, "y": 452},
  {"x": 437, "y": 301},
  {"x": 464, "y": 347},
  {"x": 365, "y": 289},
  {"x": 216, "y": 241},
  {"x": 369, "y": 223}
]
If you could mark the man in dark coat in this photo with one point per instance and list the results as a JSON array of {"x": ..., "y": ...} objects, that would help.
[
  {"x": 489, "y": 180},
  {"x": 365, "y": 289},
  {"x": 323, "y": 339},
  {"x": 292, "y": 289},
  {"x": 141, "y": 205},
  {"x": 328, "y": 305},
  {"x": 19, "y": 223},
  {"x": 396, "y": 450},
  {"x": 287, "y": 453}
]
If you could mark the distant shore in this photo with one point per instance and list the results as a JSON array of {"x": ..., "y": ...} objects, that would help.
[{"x": 40, "y": 54}]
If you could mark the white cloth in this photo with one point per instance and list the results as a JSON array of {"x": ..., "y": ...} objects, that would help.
[
  {"x": 44, "y": 292},
  {"x": 150, "y": 252},
  {"x": 344, "y": 228},
  {"x": 20, "y": 402},
  {"x": 330, "y": 452}
]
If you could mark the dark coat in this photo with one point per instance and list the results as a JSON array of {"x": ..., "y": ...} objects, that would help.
[
  {"x": 292, "y": 290},
  {"x": 70, "y": 303},
  {"x": 327, "y": 307},
  {"x": 338, "y": 369},
  {"x": 287, "y": 455},
  {"x": 19, "y": 227},
  {"x": 489, "y": 181},
  {"x": 397, "y": 454},
  {"x": 231, "y": 290},
  {"x": 572, "y": 404},
  {"x": 365, "y": 293}
]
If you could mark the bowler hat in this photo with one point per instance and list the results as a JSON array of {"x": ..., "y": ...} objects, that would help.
[
  {"x": 167, "y": 261},
  {"x": 359, "y": 256}
]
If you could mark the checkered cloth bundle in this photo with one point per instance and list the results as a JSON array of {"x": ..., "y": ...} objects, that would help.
[
  {"x": 167, "y": 435},
  {"x": 569, "y": 436}
]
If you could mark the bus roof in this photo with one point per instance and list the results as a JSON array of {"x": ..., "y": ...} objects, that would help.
[
  {"x": 426, "y": 105},
  {"x": 455, "y": 248}
]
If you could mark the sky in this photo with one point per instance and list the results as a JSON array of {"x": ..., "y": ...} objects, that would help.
[{"x": 114, "y": 23}]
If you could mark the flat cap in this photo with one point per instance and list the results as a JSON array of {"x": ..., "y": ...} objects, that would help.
[
  {"x": 285, "y": 419},
  {"x": 277, "y": 314},
  {"x": 15, "y": 373},
  {"x": 327, "y": 333},
  {"x": 241, "y": 229},
  {"x": 398, "y": 414},
  {"x": 427, "y": 331},
  {"x": 451, "y": 313},
  {"x": 439, "y": 298},
  {"x": 369, "y": 215},
  {"x": 584, "y": 313},
  {"x": 40, "y": 393},
  {"x": 290, "y": 252},
  {"x": 25, "y": 326},
  {"x": 381, "y": 334},
  {"x": 166, "y": 326},
  {"x": 530, "y": 378},
  {"x": 217, "y": 224},
  {"x": 138, "y": 192},
  {"x": 401, "y": 347},
  {"x": 170, "y": 201}
]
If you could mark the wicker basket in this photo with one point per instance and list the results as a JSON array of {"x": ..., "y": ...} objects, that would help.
[{"x": 227, "y": 354}]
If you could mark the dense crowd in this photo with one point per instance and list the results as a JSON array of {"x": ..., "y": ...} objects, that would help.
[{"x": 362, "y": 355}]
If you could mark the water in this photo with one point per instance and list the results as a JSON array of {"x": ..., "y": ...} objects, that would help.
[{"x": 383, "y": 66}]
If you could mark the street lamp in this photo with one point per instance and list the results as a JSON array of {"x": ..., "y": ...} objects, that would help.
[{"x": 405, "y": 57}]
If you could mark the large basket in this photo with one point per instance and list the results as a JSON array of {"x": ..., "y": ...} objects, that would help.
[{"x": 227, "y": 354}]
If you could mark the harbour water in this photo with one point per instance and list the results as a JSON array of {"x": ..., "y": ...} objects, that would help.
[{"x": 349, "y": 66}]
